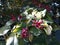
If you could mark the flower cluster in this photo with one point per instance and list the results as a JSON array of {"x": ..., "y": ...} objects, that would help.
[
  {"x": 24, "y": 33},
  {"x": 34, "y": 13},
  {"x": 37, "y": 21},
  {"x": 37, "y": 24},
  {"x": 43, "y": 25},
  {"x": 34, "y": 22}
]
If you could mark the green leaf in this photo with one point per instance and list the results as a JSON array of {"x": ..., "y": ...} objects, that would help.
[
  {"x": 48, "y": 17},
  {"x": 35, "y": 31},
  {"x": 23, "y": 25},
  {"x": 20, "y": 41}
]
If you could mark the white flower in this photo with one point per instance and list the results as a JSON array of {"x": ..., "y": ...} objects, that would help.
[
  {"x": 29, "y": 16},
  {"x": 26, "y": 13},
  {"x": 34, "y": 12},
  {"x": 15, "y": 40},
  {"x": 40, "y": 14},
  {"x": 12, "y": 40},
  {"x": 48, "y": 30},
  {"x": 44, "y": 12},
  {"x": 9, "y": 41},
  {"x": 44, "y": 23}
]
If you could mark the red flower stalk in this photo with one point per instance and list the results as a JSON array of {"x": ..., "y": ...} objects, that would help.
[
  {"x": 24, "y": 33},
  {"x": 37, "y": 24}
]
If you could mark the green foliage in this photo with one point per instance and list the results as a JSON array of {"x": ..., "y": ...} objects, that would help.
[{"x": 35, "y": 31}]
